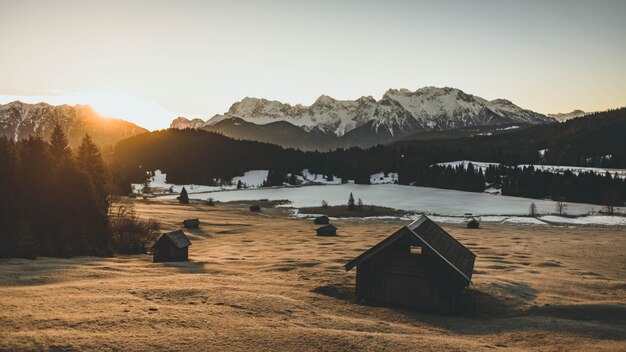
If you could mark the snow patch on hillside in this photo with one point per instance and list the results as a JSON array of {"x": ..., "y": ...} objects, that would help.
[
  {"x": 380, "y": 178},
  {"x": 621, "y": 173}
]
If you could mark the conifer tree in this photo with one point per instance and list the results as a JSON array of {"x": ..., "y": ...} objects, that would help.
[
  {"x": 351, "y": 202},
  {"x": 90, "y": 162},
  {"x": 59, "y": 146},
  {"x": 183, "y": 198}
]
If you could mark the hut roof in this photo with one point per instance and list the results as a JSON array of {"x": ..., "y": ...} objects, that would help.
[
  {"x": 178, "y": 238},
  {"x": 451, "y": 251}
]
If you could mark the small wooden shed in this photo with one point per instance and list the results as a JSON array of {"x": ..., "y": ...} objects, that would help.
[
  {"x": 328, "y": 230},
  {"x": 473, "y": 224},
  {"x": 191, "y": 223},
  {"x": 321, "y": 220},
  {"x": 255, "y": 208},
  {"x": 419, "y": 266},
  {"x": 171, "y": 247}
]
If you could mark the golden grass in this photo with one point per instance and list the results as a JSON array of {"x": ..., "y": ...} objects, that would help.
[{"x": 263, "y": 281}]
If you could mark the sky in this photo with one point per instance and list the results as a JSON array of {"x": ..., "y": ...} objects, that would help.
[{"x": 151, "y": 61}]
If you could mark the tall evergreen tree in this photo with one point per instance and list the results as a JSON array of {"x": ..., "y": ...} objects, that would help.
[
  {"x": 59, "y": 146},
  {"x": 90, "y": 162},
  {"x": 351, "y": 202}
]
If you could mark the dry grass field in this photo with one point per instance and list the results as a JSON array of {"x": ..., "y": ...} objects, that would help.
[{"x": 264, "y": 281}]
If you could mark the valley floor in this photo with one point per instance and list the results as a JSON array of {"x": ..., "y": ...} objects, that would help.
[{"x": 264, "y": 281}]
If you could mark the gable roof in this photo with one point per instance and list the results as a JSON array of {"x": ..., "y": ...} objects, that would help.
[
  {"x": 451, "y": 251},
  {"x": 178, "y": 238}
]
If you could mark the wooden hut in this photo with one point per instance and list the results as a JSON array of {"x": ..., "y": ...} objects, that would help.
[
  {"x": 255, "y": 208},
  {"x": 321, "y": 220},
  {"x": 328, "y": 230},
  {"x": 171, "y": 247},
  {"x": 473, "y": 224},
  {"x": 419, "y": 266},
  {"x": 191, "y": 223}
]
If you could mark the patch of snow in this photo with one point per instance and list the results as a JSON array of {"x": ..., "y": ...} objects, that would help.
[
  {"x": 493, "y": 190},
  {"x": 478, "y": 165},
  {"x": 252, "y": 178},
  {"x": 409, "y": 198},
  {"x": 621, "y": 173},
  {"x": 586, "y": 220},
  {"x": 524, "y": 220},
  {"x": 308, "y": 177},
  {"x": 380, "y": 178}
]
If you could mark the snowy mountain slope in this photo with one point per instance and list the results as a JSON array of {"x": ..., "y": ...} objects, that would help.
[
  {"x": 398, "y": 113},
  {"x": 19, "y": 120},
  {"x": 397, "y": 110}
]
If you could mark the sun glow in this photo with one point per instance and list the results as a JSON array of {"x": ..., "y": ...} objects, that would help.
[{"x": 108, "y": 103}]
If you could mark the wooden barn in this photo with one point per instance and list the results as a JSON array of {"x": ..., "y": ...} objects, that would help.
[
  {"x": 191, "y": 223},
  {"x": 321, "y": 220},
  {"x": 419, "y": 266},
  {"x": 473, "y": 224},
  {"x": 171, "y": 247},
  {"x": 328, "y": 230}
]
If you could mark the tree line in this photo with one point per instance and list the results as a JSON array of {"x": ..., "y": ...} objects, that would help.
[{"x": 54, "y": 201}]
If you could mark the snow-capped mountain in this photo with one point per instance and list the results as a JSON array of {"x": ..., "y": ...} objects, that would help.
[
  {"x": 568, "y": 115},
  {"x": 19, "y": 120},
  {"x": 398, "y": 113}
]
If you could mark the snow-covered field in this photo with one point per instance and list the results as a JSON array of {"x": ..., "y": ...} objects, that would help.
[
  {"x": 251, "y": 179},
  {"x": 409, "y": 198},
  {"x": 447, "y": 206},
  {"x": 621, "y": 173}
]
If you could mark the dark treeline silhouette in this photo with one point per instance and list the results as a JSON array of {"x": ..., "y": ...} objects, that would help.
[
  {"x": 190, "y": 156},
  {"x": 585, "y": 187},
  {"x": 53, "y": 202},
  {"x": 592, "y": 140}
]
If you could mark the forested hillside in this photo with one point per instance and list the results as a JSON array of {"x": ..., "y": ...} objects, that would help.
[{"x": 192, "y": 156}]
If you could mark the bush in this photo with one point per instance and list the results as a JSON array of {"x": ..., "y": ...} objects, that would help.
[{"x": 131, "y": 235}]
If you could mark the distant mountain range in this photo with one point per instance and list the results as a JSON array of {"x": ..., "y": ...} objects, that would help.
[
  {"x": 19, "y": 120},
  {"x": 568, "y": 115},
  {"x": 330, "y": 123}
]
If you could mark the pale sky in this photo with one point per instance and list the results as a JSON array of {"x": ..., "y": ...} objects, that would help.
[{"x": 150, "y": 61}]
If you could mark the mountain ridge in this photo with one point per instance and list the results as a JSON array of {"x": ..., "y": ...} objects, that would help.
[
  {"x": 19, "y": 120},
  {"x": 399, "y": 113}
]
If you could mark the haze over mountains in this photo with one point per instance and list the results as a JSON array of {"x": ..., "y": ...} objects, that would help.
[
  {"x": 330, "y": 123},
  {"x": 568, "y": 115},
  {"x": 19, "y": 120}
]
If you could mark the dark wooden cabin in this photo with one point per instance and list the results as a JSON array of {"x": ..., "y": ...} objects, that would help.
[
  {"x": 321, "y": 220},
  {"x": 191, "y": 223},
  {"x": 171, "y": 247},
  {"x": 473, "y": 224},
  {"x": 255, "y": 208},
  {"x": 419, "y": 266},
  {"x": 328, "y": 230}
]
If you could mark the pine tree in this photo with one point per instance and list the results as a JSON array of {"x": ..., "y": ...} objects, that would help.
[
  {"x": 90, "y": 161},
  {"x": 532, "y": 210},
  {"x": 351, "y": 202},
  {"x": 183, "y": 198},
  {"x": 8, "y": 206},
  {"x": 359, "y": 204},
  {"x": 59, "y": 146}
]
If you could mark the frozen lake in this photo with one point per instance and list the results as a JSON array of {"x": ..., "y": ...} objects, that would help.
[{"x": 409, "y": 198}]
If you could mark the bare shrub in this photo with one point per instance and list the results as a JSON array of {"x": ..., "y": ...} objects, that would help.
[{"x": 131, "y": 235}]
